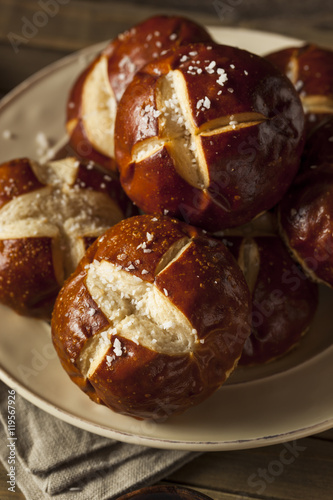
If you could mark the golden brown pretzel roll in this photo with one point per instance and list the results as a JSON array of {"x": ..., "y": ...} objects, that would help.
[
  {"x": 210, "y": 133},
  {"x": 284, "y": 300},
  {"x": 310, "y": 69},
  {"x": 154, "y": 318},
  {"x": 49, "y": 214},
  {"x": 92, "y": 104}
]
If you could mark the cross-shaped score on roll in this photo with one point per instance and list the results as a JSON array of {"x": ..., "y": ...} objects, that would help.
[
  {"x": 60, "y": 210},
  {"x": 136, "y": 310},
  {"x": 179, "y": 134}
]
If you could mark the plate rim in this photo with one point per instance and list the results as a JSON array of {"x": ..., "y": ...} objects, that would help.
[{"x": 163, "y": 443}]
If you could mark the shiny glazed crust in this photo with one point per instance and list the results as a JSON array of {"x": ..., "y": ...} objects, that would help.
[
  {"x": 49, "y": 215},
  {"x": 210, "y": 133},
  {"x": 284, "y": 300},
  {"x": 306, "y": 222},
  {"x": 194, "y": 278},
  {"x": 305, "y": 214}
]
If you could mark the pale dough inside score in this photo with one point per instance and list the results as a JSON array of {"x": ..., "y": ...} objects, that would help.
[
  {"x": 99, "y": 108},
  {"x": 137, "y": 310}
]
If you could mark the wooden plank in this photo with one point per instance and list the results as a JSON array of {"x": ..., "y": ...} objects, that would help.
[
  {"x": 301, "y": 469},
  {"x": 81, "y": 23}
]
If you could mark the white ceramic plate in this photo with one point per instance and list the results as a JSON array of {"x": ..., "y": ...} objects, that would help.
[{"x": 285, "y": 400}]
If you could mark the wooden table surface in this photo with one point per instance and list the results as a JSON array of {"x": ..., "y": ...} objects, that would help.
[{"x": 230, "y": 475}]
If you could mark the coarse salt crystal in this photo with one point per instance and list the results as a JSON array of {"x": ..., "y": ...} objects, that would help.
[
  {"x": 222, "y": 78},
  {"x": 117, "y": 349},
  {"x": 200, "y": 103},
  {"x": 210, "y": 67},
  {"x": 206, "y": 103},
  {"x": 109, "y": 360}
]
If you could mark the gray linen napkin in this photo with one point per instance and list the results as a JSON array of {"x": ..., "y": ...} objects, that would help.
[{"x": 55, "y": 460}]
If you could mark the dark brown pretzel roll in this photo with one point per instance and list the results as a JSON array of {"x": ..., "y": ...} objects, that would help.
[
  {"x": 49, "y": 214},
  {"x": 305, "y": 214},
  {"x": 284, "y": 300},
  {"x": 154, "y": 318},
  {"x": 310, "y": 69},
  {"x": 209, "y": 133},
  {"x": 92, "y": 104},
  {"x": 306, "y": 222}
]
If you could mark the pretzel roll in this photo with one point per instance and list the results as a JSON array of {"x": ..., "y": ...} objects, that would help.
[
  {"x": 92, "y": 104},
  {"x": 210, "y": 133},
  {"x": 284, "y": 301},
  {"x": 310, "y": 69},
  {"x": 49, "y": 214},
  {"x": 154, "y": 318},
  {"x": 306, "y": 222}
]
